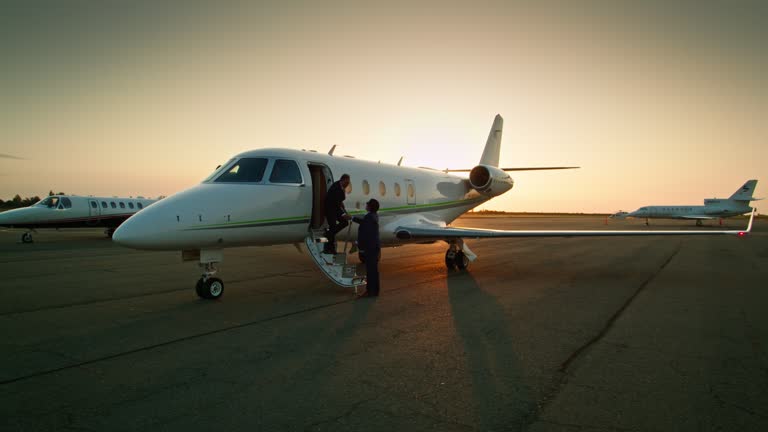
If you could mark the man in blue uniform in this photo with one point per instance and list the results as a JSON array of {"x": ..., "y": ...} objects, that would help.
[
  {"x": 370, "y": 246},
  {"x": 335, "y": 212}
]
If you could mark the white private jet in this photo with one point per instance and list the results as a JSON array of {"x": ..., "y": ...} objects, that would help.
[
  {"x": 713, "y": 208},
  {"x": 70, "y": 211},
  {"x": 276, "y": 196}
]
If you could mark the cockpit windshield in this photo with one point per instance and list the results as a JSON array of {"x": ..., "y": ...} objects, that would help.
[
  {"x": 50, "y": 202},
  {"x": 245, "y": 170}
]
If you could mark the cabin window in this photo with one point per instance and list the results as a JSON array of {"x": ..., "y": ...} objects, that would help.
[
  {"x": 67, "y": 203},
  {"x": 285, "y": 171},
  {"x": 94, "y": 205},
  {"x": 246, "y": 170},
  {"x": 130, "y": 205},
  {"x": 113, "y": 204},
  {"x": 397, "y": 189},
  {"x": 411, "y": 191},
  {"x": 122, "y": 204},
  {"x": 139, "y": 205},
  {"x": 382, "y": 188},
  {"x": 366, "y": 187},
  {"x": 103, "y": 204}
]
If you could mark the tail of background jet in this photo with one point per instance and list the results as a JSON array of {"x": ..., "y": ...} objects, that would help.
[
  {"x": 493, "y": 144},
  {"x": 744, "y": 193}
]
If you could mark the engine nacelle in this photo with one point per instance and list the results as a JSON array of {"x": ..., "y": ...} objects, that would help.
[{"x": 489, "y": 180}]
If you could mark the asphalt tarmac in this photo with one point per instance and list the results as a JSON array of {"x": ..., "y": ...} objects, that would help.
[{"x": 628, "y": 334}]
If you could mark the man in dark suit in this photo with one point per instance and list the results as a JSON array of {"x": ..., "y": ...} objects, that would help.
[
  {"x": 370, "y": 246},
  {"x": 335, "y": 212}
]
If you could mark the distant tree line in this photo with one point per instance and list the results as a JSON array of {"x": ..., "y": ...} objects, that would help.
[{"x": 18, "y": 201}]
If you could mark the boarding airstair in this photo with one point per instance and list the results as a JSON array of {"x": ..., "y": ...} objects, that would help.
[{"x": 335, "y": 267}]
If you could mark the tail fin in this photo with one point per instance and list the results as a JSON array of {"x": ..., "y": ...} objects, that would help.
[
  {"x": 744, "y": 193},
  {"x": 493, "y": 144}
]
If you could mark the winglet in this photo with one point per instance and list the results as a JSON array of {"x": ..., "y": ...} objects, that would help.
[
  {"x": 330, "y": 152},
  {"x": 493, "y": 144},
  {"x": 751, "y": 219}
]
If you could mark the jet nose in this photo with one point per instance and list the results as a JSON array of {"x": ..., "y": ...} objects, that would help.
[{"x": 128, "y": 234}]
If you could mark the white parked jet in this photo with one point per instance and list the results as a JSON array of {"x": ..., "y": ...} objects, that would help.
[
  {"x": 70, "y": 211},
  {"x": 276, "y": 196},
  {"x": 713, "y": 208}
]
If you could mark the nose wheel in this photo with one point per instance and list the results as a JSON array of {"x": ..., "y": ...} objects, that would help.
[{"x": 209, "y": 287}]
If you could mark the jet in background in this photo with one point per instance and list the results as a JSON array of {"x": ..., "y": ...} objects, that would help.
[
  {"x": 69, "y": 211},
  {"x": 713, "y": 208}
]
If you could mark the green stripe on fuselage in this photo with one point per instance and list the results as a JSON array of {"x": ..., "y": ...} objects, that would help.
[{"x": 411, "y": 208}]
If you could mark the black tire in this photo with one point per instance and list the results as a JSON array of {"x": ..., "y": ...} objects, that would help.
[
  {"x": 461, "y": 260},
  {"x": 214, "y": 288},
  {"x": 26, "y": 237},
  {"x": 200, "y": 288},
  {"x": 450, "y": 264}
]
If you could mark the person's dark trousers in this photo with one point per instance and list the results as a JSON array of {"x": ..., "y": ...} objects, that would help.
[
  {"x": 335, "y": 224},
  {"x": 372, "y": 271}
]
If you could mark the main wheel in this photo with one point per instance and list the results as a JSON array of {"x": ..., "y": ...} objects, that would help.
[
  {"x": 461, "y": 260},
  {"x": 210, "y": 289},
  {"x": 26, "y": 237},
  {"x": 450, "y": 262},
  {"x": 108, "y": 232}
]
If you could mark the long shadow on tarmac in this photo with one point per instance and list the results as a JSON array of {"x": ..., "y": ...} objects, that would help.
[{"x": 501, "y": 398}]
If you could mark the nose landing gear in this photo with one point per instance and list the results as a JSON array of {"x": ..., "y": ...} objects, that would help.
[
  {"x": 26, "y": 237},
  {"x": 208, "y": 287}
]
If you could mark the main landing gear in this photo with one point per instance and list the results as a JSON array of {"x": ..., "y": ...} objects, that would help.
[
  {"x": 108, "y": 232},
  {"x": 455, "y": 258},
  {"x": 209, "y": 287}
]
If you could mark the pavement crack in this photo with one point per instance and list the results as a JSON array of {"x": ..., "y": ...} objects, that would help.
[
  {"x": 609, "y": 324},
  {"x": 172, "y": 341},
  {"x": 346, "y": 413},
  {"x": 560, "y": 381}
]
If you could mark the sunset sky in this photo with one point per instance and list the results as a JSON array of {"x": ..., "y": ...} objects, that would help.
[{"x": 659, "y": 102}]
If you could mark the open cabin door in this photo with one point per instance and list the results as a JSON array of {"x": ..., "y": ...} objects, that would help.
[
  {"x": 322, "y": 179},
  {"x": 334, "y": 267}
]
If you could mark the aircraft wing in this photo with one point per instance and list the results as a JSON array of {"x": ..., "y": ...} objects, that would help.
[
  {"x": 435, "y": 232},
  {"x": 692, "y": 217}
]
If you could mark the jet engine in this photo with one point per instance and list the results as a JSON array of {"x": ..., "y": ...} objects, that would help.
[{"x": 489, "y": 180}]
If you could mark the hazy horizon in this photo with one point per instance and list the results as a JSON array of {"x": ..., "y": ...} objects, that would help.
[{"x": 658, "y": 102}]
